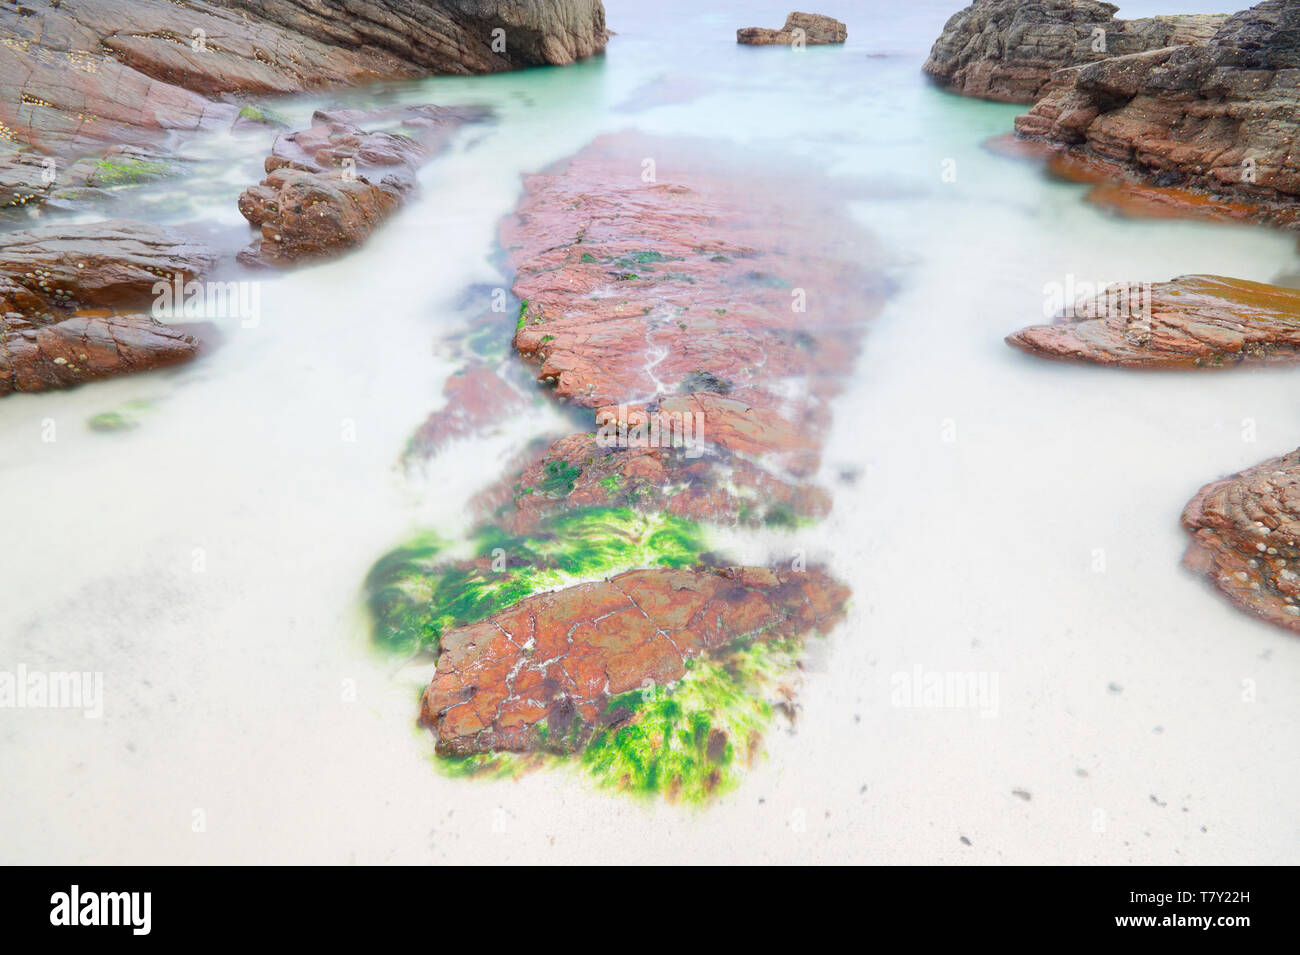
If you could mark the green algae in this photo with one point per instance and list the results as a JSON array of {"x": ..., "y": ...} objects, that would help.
[
  {"x": 489, "y": 341},
  {"x": 690, "y": 741},
  {"x": 418, "y": 591},
  {"x": 122, "y": 171},
  {"x": 523, "y": 315},
  {"x": 561, "y": 477},
  {"x": 125, "y": 418}
]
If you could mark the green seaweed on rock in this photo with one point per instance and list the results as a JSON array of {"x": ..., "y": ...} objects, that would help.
[
  {"x": 419, "y": 591},
  {"x": 690, "y": 741}
]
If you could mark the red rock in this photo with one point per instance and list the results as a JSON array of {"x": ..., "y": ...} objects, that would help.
[
  {"x": 1122, "y": 189},
  {"x": 1246, "y": 539},
  {"x": 477, "y": 398},
  {"x": 703, "y": 331},
  {"x": 721, "y": 489},
  {"x": 639, "y": 291},
  {"x": 1196, "y": 321},
  {"x": 558, "y": 658}
]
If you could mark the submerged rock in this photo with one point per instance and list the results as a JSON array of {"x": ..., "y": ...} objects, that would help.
[
  {"x": 67, "y": 300},
  {"x": 704, "y": 321},
  {"x": 578, "y": 472},
  {"x": 811, "y": 28},
  {"x": 1007, "y": 50},
  {"x": 1195, "y": 321},
  {"x": 542, "y": 675},
  {"x": 1194, "y": 125},
  {"x": 331, "y": 185},
  {"x": 1246, "y": 538}
]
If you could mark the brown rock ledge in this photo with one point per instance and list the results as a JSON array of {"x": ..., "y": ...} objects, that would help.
[
  {"x": 85, "y": 80},
  {"x": 67, "y": 300},
  {"x": 1195, "y": 321}
]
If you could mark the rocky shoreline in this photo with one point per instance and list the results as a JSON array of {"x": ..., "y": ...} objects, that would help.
[
  {"x": 1172, "y": 116},
  {"x": 107, "y": 93},
  {"x": 1202, "y": 125}
]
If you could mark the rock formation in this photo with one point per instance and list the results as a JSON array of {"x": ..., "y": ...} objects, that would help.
[
  {"x": 329, "y": 186},
  {"x": 1246, "y": 539},
  {"x": 809, "y": 28},
  {"x": 1220, "y": 119},
  {"x": 1007, "y": 50},
  {"x": 593, "y": 621},
  {"x": 68, "y": 296},
  {"x": 1196, "y": 321}
]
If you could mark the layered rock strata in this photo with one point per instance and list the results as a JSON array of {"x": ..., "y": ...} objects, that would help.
[
  {"x": 1196, "y": 124},
  {"x": 99, "y": 87},
  {"x": 1008, "y": 50}
]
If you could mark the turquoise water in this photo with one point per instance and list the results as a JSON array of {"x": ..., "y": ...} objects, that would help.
[{"x": 208, "y": 561}]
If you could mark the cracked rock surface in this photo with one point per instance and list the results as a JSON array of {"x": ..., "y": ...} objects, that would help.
[{"x": 558, "y": 658}]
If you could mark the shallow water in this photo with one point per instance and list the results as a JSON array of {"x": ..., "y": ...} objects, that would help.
[{"x": 994, "y": 514}]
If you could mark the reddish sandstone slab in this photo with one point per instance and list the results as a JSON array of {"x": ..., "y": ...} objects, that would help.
[
  {"x": 1196, "y": 321},
  {"x": 540, "y": 675},
  {"x": 752, "y": 287},
  {"x": 1246, "y": 538}
]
